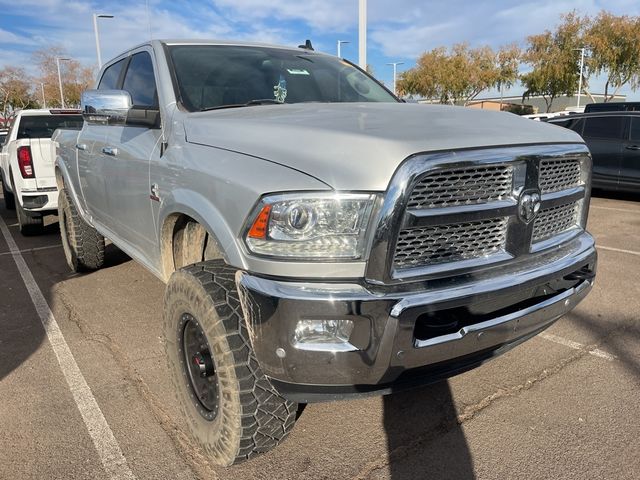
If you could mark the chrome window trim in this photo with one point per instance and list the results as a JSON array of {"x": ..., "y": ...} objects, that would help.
[{"x": 393, "y": 214}]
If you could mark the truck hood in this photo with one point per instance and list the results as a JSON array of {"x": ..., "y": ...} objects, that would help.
[{"x": 358, "y": 146}]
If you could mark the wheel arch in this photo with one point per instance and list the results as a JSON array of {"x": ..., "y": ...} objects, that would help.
[{"x": 214, "y": 240}]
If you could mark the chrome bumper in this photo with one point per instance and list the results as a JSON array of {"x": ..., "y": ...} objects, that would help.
[{"x": 389, "y": 353}]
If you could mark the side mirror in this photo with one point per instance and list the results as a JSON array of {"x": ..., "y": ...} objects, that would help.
[
  {"x": 113, "y": 107},
  {"x": 105, "y": 107}
]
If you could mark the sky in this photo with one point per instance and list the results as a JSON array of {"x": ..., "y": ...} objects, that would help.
[{"x": 398, "y": 30}]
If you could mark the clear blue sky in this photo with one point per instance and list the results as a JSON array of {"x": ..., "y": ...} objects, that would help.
[{"x": 399, "y": 30}]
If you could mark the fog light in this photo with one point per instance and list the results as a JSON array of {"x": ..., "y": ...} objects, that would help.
[{"x": 323, "y": 335}]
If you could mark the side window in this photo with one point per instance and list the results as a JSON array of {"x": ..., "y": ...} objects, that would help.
[
  {"x": 576, "y": 125},
  {"x": 109, "y": 80},
  {"x": 610, "y": 128},
  {"x": 140, "y": 82},
  {"x": 635, "y": 129}
]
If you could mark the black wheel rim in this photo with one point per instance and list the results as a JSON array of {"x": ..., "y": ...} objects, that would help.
[{"x": 199, "y": 367}]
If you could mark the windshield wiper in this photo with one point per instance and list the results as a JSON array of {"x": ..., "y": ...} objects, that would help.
[{"x": 257, "y": 101}]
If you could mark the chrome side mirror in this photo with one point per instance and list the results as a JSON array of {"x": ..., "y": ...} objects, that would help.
[{"x": 105, "y": 107}]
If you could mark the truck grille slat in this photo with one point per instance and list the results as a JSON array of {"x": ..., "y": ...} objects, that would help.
[
  {"x": 553, "y": 221},
  {"x": 462, "y": 186},
  {"x": 559, "y": 174},
  {"x": 449, "y": 243}
]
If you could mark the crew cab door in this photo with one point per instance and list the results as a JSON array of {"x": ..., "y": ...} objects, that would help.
[
  {"x": 603, "y": 136},
  {"x": 92, "y": 162},
  {"x": 630, "y": 166},
  {"x": 127, "y": 153}
]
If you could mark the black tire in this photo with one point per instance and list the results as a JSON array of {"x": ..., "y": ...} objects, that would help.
[
  {"x": 82, "y": 244},
  {"x": 9, "y": 199},
  {"x": 29, "y": 225},
  {"x": 250, "y": 416}
]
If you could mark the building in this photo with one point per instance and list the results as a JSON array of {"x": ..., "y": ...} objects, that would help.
[
  {"x": 563, "y": 102},
  {"x": 534, "y": 103}
]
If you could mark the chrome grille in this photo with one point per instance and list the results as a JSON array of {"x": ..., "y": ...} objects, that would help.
[
  {"x": 462, "y": 186},
  {"x": 559, "y": 174},
  {"x": 555, "y": 220},
  {"x": 449, "y": 243}
]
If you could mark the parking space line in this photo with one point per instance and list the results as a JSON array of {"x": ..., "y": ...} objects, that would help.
[
  {"x": 596, "y": 352},
  {"x": 619, "y": 250},
  {"x": 614, "y": 209},
  {"x": 106, "y": 445},
  {"x": 29, "y": 250}
]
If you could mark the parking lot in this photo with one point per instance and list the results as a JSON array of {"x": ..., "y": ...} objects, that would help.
[{"x": 563, "y": 405}]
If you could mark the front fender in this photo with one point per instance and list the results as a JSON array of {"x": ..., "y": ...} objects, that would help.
[{"x": 180, "y": 201}]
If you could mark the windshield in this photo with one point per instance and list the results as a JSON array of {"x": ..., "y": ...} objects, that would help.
[
  {"x": 43, "y": 126},
  {"x": 218, "y": 76}
]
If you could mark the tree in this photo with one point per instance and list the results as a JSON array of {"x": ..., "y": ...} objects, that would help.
[
  {"x": 554, "y": 60},
  {"x": 461, "y": 74},
  {"x": 75, "y": 77},
  {"x": 614, "y": 42},
  {"x": 15, "y": 86}
]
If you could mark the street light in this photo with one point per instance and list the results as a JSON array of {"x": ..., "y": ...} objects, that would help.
[
  {"x": 44, "y": 100},
  {"x": 340, "y": 43},
  {"x": 362, "y": 35},
  {"x": 96, "y": 16},
  {"x": 58, "y": 59},
  {"x": 581, "y": 50},
  {"x": 395, "y": 72}
]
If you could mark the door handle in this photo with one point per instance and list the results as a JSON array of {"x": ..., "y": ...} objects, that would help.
[
  {"x": 633, "y": 147},
  {"x": 81, "y": 146},
  {"x": 110, "y": 151}
]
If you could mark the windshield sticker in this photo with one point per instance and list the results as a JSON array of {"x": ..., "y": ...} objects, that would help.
[
  {"x": 297, "y": 71},
  {"x": 280, "y": 90}
]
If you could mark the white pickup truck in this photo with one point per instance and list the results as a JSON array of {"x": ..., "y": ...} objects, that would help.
[{"x": 27, "y": 165}]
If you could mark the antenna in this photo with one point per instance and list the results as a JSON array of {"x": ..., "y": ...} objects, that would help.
[
  {"x": 148, "y": 19},
  {"x": 307, "y": 45}
]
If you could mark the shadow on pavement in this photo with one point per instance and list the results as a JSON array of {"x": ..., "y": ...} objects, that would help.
[
  {"x": 614, "y": 338},
  {"x": 424, "y": 438}
]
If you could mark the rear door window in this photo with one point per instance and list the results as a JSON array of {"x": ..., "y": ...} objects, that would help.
[
  {"x": 43, "y": 126},
  {"x": 609, "y": 127},
  {"x": 140, "y": 81}
]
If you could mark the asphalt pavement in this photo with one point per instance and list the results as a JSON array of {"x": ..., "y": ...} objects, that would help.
[{"x": 564, "y": 405}]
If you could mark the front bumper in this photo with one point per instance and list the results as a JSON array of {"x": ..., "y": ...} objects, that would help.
[{"x": 396, "y": 343}]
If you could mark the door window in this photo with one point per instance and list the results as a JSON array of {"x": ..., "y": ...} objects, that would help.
[
  {"x": 609, "y": 127},
  {"x": 111, "y": 75},
  {"x": 140, "y": 82},
  {"x": 635, "y": 129}
]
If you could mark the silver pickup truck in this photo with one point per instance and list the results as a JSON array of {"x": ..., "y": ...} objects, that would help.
[{"x": 318, "y": 237}]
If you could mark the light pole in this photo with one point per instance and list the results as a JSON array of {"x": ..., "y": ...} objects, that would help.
[
  {"x": 340, "y": 43},
  {"x": 44, "y": 100},
  {"x": 60, "y": 79},
  {"x": 581, "y": 50},
  {"x": 395, "y": 72},
  {"x": 362, "y": 35},
  {"x": 96, "y": 16}
]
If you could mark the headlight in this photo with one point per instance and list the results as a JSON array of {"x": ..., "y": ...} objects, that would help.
[{"x": 310, "y": 226}]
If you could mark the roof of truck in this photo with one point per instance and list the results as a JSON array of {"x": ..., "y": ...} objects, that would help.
[{"x": 48, "y": 111}]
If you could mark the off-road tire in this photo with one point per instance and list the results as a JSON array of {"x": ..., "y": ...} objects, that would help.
[
  {"x": 252, "y": 417},
  {"x": 29, "y": 225},
  {"x": 9, "y": 198},
  {"x": 82, "y": 244}
]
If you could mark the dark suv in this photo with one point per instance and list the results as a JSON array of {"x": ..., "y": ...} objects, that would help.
[{"x": 614, "y": 141}]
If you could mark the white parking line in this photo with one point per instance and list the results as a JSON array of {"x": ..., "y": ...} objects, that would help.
[
  {"x": 620, "y": 250},
  {"x": 29, "y": 250},
  {"x": 615, "y": 209},
  {"x": 596, "y": 352},
  {"x": 113, "y": 461}
]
